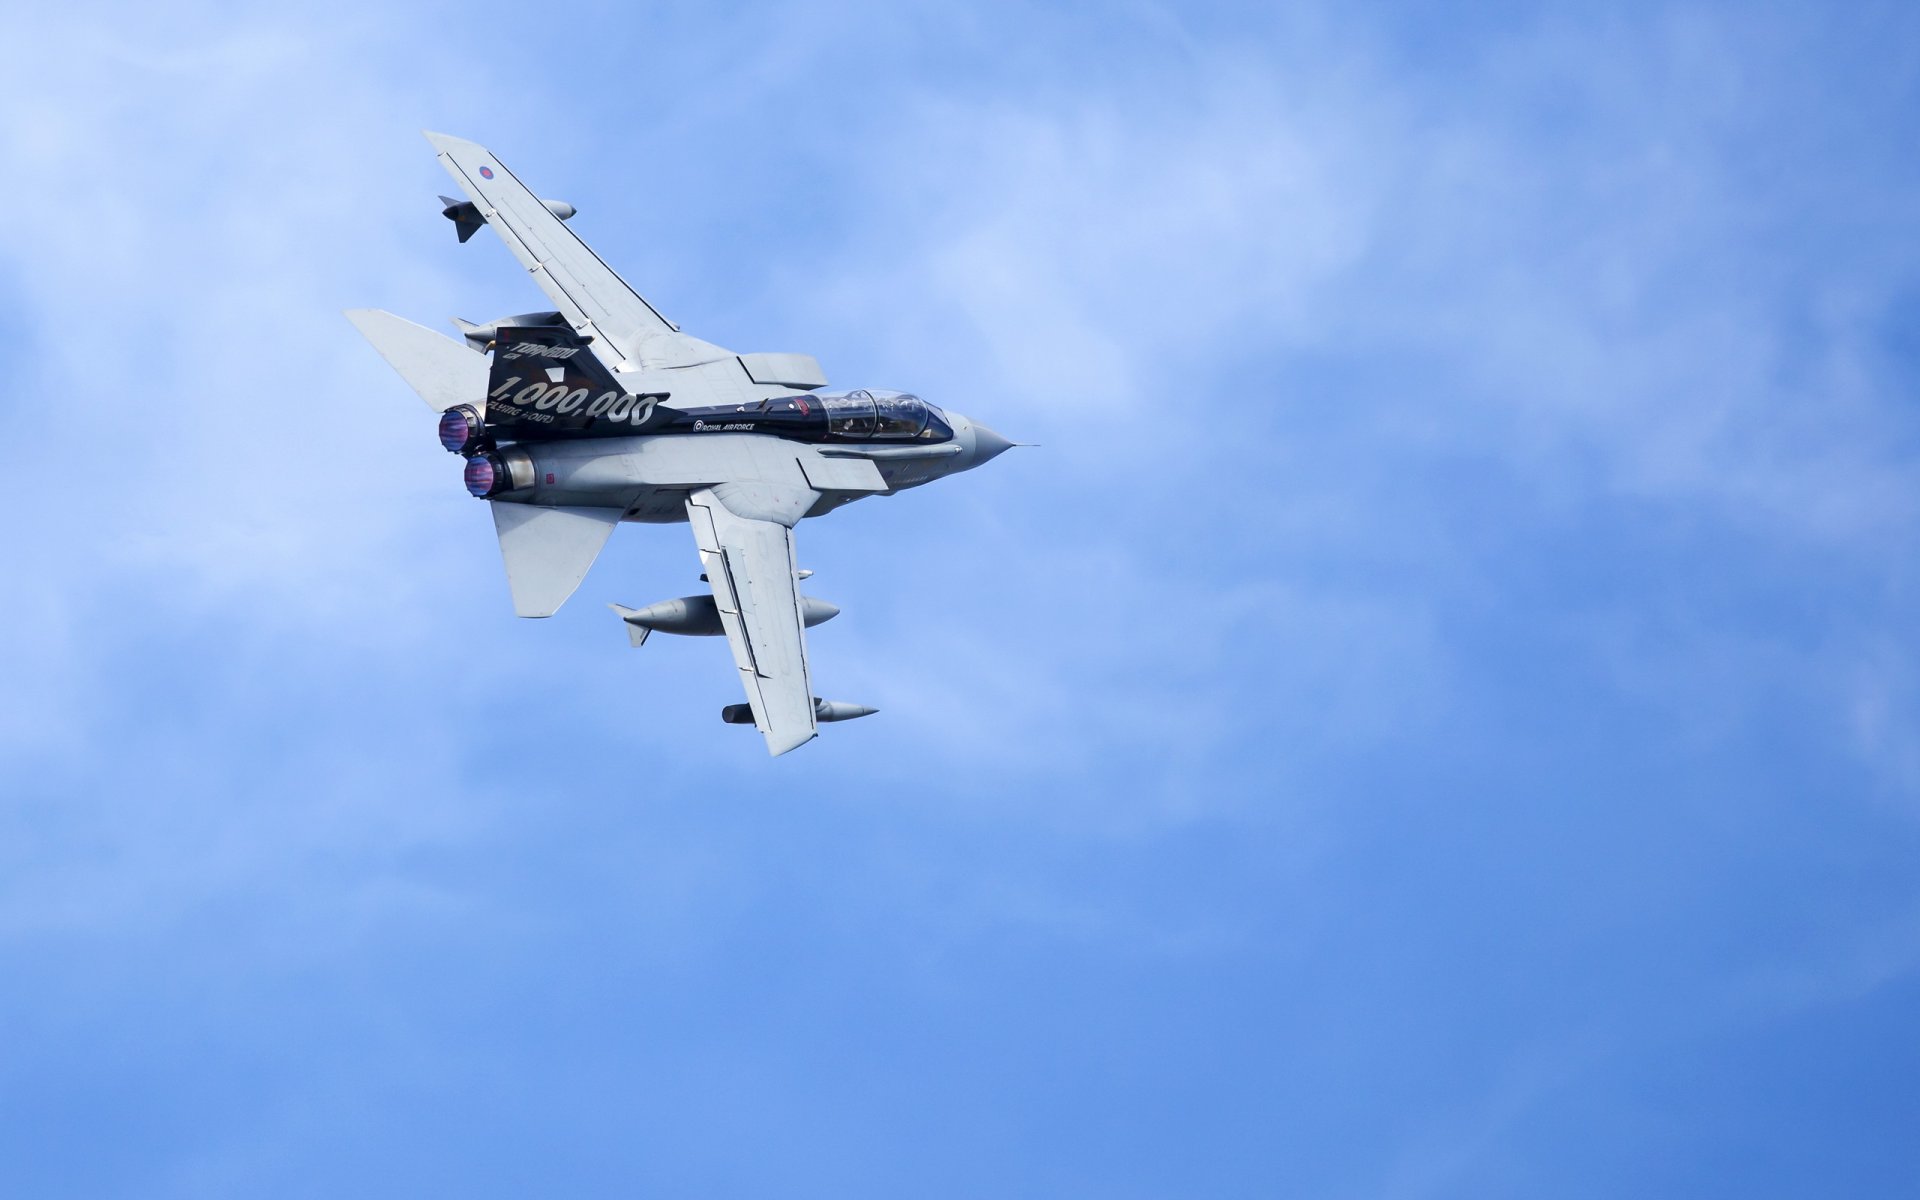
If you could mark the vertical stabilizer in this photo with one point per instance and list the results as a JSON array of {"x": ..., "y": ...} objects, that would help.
[{"x": 636, "y": 634}]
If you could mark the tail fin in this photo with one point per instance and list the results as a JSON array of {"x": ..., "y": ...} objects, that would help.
[
  {"x": 443, "y": 371},
  {"x": 468, "y": 330},
  {"x": 548, "y": 551},
  {"x": 547, "y": 382},
  {"x": 466, "y": 219},
  {"x": 636, "y": 634}
]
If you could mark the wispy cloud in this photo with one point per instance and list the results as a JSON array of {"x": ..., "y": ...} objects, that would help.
[{"x": 1476, "y": 498}]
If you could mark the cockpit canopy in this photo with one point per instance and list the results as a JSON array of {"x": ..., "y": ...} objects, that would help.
[{"x": 865, "y": 415}]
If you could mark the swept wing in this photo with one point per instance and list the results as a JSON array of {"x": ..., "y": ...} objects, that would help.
[
  {"x": 750, "y": 565},
  {"x": 596, "y": 301}
]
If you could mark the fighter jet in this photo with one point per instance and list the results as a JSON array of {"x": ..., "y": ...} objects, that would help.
[{"x": 571, "y": 421}]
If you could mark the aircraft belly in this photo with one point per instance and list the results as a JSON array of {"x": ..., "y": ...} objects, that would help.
[
  {"x": 905, "y": 475},
  {"x": 649, "y": 477},
  {"x": 662, "y": 506},
  {"x": 658, "y": 506}
]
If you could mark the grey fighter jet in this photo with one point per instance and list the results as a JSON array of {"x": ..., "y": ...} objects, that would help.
[{"x": 603, "y": 411}]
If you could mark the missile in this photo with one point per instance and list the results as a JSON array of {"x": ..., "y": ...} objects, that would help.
[
  {"x": 468, "y": 221},
  {"x": 840, "y": 710},
  {"x": 697, "y": 616},
  {"x": 823, "y": 711}
]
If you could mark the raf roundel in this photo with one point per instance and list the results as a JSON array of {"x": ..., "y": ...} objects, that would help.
[{"x": 486, "y": 172}]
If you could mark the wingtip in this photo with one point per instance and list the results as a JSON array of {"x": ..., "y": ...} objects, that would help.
[
  {"x": 776, "y": 746},
  {"x": 443, "y": 142}
]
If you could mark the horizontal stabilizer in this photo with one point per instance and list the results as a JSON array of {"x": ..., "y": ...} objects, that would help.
[
  {"x": 548, "y": 551},
  {"x": 443, "y": 371}
]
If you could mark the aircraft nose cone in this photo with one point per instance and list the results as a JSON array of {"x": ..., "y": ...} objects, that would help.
[{"x": 987, "y": 445}]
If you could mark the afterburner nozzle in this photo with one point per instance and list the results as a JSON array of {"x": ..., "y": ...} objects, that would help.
[
  {"x": 840, "y": 710},
  {"x": 698, "y": 616},
  {"x": 462, "y": 430}
]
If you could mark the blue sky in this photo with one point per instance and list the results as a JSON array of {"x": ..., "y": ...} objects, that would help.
[{"x": 1438, "y": 717}]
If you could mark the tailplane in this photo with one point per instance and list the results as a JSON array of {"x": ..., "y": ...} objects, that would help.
[
  {"x": 548, "y": 551},
  {"x": 443, "y": 371}
]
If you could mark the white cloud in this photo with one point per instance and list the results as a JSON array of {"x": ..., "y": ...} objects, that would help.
[{"x": 1133, "y": 273}]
